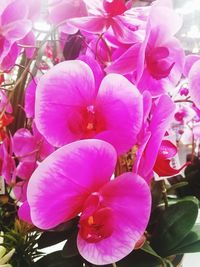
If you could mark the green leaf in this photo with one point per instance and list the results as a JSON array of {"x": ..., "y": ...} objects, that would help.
[
  {"x": 173, "y": 225},
  {"x": 51, "y": 238},
  {"x": 148, "y": 249},
  {"x": 191, "y": 243},
  {"x": 139, "y": 258},
  {"x": 168, "y": 263},
  {"x": 176, "y": 186},
  {"x": 60, "y": 233},
  {"x": 55, "y": 259},
  {"x": 70, "y": 248}
]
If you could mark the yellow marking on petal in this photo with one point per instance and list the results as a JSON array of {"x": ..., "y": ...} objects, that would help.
[
  {"x": 91, "y": 220},
  {"x": 90, "y": 126}
]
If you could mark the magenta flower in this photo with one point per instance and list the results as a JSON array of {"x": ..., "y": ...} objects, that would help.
[
  {"x": 105, "y": 14},
  {"x": 14, "y": 26},
  {"x": 152, "y": 134},
  {"x": 114, "y": 214},
  {"x": 30, "y": 147},
  {"x": 157, "y": 63},
  {"x": 70, "y": 107}
]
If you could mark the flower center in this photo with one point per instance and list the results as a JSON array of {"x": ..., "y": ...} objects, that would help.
[
  {"x": 97, "y": 226},
  {"x": 158, "y": 62},
  {"x": 90, "y": 119},
  {"x": 96, "y": 222}
]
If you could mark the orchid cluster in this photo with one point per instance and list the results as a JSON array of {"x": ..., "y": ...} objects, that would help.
[{"x": 95, "y": 114}]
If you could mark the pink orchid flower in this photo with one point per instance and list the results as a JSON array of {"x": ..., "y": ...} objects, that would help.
[
  {"x": 70, "y": 107},
  {"x": 163, "y": 165},
  {"x": 152, "y": 134},
  {"x": 105, "y": 14},
  {"x": 156, "y": 63},
  {"x": 113, "y": 214},
  {"x": 14, "y": 26},
  {"x": 29, "y": 147},
  {"x": 184, "y": 114}
]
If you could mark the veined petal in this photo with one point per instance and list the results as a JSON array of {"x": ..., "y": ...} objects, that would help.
[
  {"x": 127, "y": 62},
  {"x": 65, "y": 179},
  {"x": 120, "y": 103},
  {"x": 16, "y": 10},
  {"x": 161, "y": 119},
  {"x": 24, "y": 145},
  {"x": 60, "y": 94},
  {"x": 92, "y": 24},
  {"x": 17, "y": 30},
  {"x": 130, "y": 200}
]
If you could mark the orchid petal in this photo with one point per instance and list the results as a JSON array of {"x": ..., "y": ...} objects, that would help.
[
  {"x": 194, "y": 83},
  {"x": 120, "y": 103},
  {"x": 129, "y": 222},
  {"x": 78, "y": 169},
  {"x": 60, "y": 94}
]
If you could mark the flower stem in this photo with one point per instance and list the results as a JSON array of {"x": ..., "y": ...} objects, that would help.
[
  {"x": 114, "y": 264},
  {"x": 164, "y": 192}
]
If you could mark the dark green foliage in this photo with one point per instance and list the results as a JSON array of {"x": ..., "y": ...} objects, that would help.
[{"x": 173, "y": 225}]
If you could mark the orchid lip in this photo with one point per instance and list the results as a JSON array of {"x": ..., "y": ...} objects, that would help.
[
  {"x": 96, "y": 221},
  {"x": 97, "y": 226}
]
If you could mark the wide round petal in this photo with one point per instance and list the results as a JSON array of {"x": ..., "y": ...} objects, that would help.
[
  {"x": 66, "y": 88},
  {"x": 120, "y": 104},
  {"x": 63, "y": 181},
  {"x": 194, "y": 83},
  {"x": 130, "y": 199},
  {"x": 95, "y": 67},
  {"x": 14, "y": 11}
]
